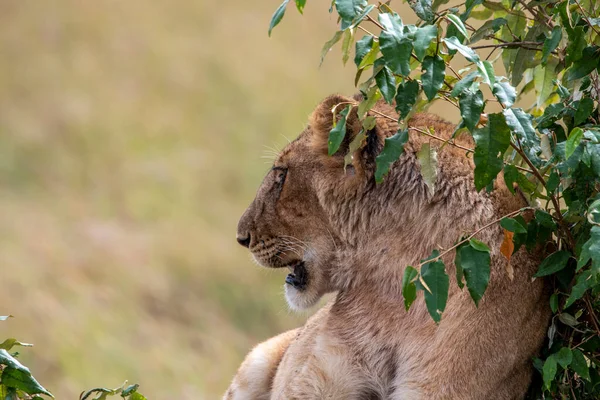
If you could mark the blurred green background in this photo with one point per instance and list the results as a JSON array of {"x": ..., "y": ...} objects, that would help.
[{"x": 131, "y": 137}]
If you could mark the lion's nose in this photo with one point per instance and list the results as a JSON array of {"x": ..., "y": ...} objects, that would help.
[{"x": 244, "y": 241}]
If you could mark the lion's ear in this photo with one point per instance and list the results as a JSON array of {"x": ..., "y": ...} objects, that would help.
[{"x": 321, "y": 122}]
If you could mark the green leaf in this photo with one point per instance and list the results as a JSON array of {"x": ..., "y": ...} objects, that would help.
[
  {"x": 349, "y": 10},
  {"x": 576, "y": 46},
  {"x": 552, "y": 182},
  {"x": 584, "y": 110},
  {"x": 409, "y": 290},
  {"x": 526, "y": 58},
  {"x": 433, "y": 75},
  {"x": 427, "y": 157},
  {"x": 348, "y": 39},
  {"x": 487, "y": 72},
  {"x": 545, "y": 219},
  {"x": 562, "y": 91},
  {"x": 511, "y": 174},
  {"x": 137, "y": 396},
  {"x": 591, "y": 250},
  {"x": 423, "y": 9},
  {"x": 554, "y": 303},
  {"x": 435, "y": 277},
  {"x": 564, "y": 357},
  {"x": 370, "y": 57},
  {"x": 553, "y": 263},
  {"x": 551, "y": 43},
  {"x": 517, "y": 23},
  {"x": 395, "y": 46},
  {"x": 18, "y": 376},
  {"x": 22, "y": 380},
  {"x": 464, "y": 84},
  {"x": 488, "y": 28},
  {"x": 362, "y": 47},
  {"x": 573, "y": 141},
  {"x": 454, "y": 44},
  {"x": 393, "y": 148},
  {"x": 452, "y": 31},
  {"x": 491, "y": 142},
  {"x": 423, "y": 38},
  {"x": 579, "y": 365},
  {"x": 10, "y": 361},
  {"x": 357, "y": 142},
  {"x": 479, "y": 245},
  {"x": 584, "y": 282},
  {"x": 505, "y": 93},
  {"x": 278, "y": 15},
  {"x": 456, "y": 21},
  {"x": 360, "y": 17},
  {"x": 387, "y": 84},
  {"x": 406, "y": 97},
  {"x": 511, "y": 224},
  {"x": 300, "y": 5},
  {"x": 475, "y": 265},
  {"x": 585, "y": 65},
  {"x": 338, "y": 132},
  {"x": 471, "y": 106},
  {"x": 520, "y": 123},
  {"x": 543, "y": 79},
  {"x": 392, "y": 23},
  {"x": 549, "y": 371},
  {"x": 329, "y": 44},
  {"x": 460, "y": 273},
  {"x": 568, "y": 319},
  {"x": 373, "y": 96}
]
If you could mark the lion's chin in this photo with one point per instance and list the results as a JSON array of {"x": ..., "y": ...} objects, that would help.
[{"x": 300, "y": 300}]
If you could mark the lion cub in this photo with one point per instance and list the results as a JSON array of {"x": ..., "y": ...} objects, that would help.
[{"x": 336, "y": 230}]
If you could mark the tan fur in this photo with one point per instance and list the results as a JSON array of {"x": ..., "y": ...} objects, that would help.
[{"x": 356, "y": 238}]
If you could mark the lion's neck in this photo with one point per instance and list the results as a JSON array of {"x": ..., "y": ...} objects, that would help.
[{"x": 379, "y": 260}]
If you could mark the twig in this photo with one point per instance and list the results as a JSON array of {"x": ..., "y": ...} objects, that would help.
[
  {"x": 524, "y": 45},
  {"x": 453, "y": 71},
  {"x": 586, "y": 17},
  {"x": 547, "y": 22},
  {"x": 375, "y": 22},
  {"x": 592, "y": 315},
  {"x": 471, "y": 236},
  {"x": 364, "y": 30},
  {"x": 449, "y": 141}
]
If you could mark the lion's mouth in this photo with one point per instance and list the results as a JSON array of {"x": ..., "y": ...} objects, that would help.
[{"x": 298, "y": 278}]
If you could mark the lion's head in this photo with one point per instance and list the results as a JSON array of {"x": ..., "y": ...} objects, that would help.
[{"x": 311, "y": 211}]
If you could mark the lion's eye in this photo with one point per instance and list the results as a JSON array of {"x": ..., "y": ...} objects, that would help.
[{"x": 280, "y": 175}]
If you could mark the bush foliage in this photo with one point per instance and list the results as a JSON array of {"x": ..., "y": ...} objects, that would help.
[
  {"x": 548, "y": 148},
  {"x": 16, "y": 381}
]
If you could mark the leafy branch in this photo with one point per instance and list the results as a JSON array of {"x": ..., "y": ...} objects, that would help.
[{"x": 548, "y": 149}]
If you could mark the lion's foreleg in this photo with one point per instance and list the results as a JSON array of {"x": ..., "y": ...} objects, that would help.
[{"x": 254, "y": 378}]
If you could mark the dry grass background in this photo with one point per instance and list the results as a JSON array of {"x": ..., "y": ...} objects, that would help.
[{"x": 131, "y": 135}]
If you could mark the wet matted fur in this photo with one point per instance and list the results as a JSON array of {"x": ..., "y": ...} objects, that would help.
[{"x": 338, "y": 231}]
